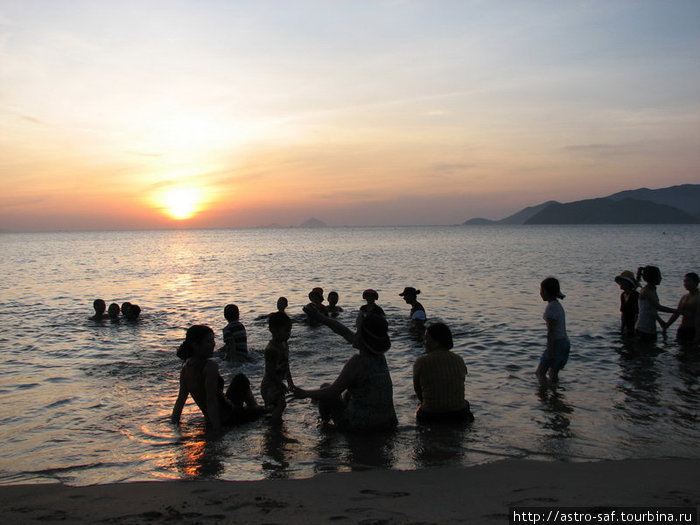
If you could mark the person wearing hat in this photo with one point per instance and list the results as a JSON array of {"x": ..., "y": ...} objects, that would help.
[
  {"x": 410, "y": 295},
  {"x": 316, "y": 298},
  {"x": 361, "y": 398},
  {"x": 371, "y": 307},
  {"x": 629, "y": 301}
]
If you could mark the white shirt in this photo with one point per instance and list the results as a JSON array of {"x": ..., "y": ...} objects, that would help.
[{"x": 555, "y": 313}]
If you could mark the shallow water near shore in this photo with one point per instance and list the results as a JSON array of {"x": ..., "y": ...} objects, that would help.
[{"x": 86, "y": 402}]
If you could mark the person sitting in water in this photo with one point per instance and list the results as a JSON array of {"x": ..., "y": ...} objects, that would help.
[
  {"x": 371, "y": 307},
  {"x": 113, "y": 312},
  {"x": 438, "y": 380},
  {"x": 316, "y": 298},
  {"x": 688, "y": 307},
  {"x": 361, "y": 398},
  {"x": 629, "y": 298},
  {"x": 235, "y": 336},
  {"x": 333, "y": 308},
  {"x": 410, "y": 295},
  {"x": 100, "y": 306},
  {"x": 200, "y": 378}
]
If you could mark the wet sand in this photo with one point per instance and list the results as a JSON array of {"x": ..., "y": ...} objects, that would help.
[{"x": 480, "y": 494}]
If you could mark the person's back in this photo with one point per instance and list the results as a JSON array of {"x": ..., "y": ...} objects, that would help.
[
  {"x": 193, "y": 376},
  {"x": 234, "y": 333},
  {"x": 441, "y": 374},
  {"x": 371, "y": 397}
]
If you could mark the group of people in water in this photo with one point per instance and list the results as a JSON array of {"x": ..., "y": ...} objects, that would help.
[
  {"x": 128, "y": 311},
  {"x": 361, "y": 397},
  {"x": 639, "y": 310}
]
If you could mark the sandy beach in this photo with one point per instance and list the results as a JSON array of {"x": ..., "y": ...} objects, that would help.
[{"x": 480, "y": 494}]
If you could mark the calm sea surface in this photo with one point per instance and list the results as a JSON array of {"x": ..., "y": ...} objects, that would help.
[{"x": 86, "y": 402}]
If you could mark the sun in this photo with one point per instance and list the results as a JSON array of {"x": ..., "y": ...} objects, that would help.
[{"x": 180, "y": 203}]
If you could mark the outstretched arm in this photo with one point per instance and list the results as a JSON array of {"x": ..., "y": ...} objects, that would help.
[
  {"x": 335, "y": 325},
  {"x": 343, "y": 381}
]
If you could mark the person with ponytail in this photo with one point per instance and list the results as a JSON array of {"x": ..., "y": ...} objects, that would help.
[
  {"x": 649, "y": 306},
  {"x": 361, "y": 398},
  {"x": 556, "y": 354},
  {"x": 200, "y": 378}
]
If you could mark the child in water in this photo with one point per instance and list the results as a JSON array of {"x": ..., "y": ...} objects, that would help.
[
  {"x": 629, "y": 307},
  {"x": 273, "y": 388},
  {"x": 556, "y": 354},
  {"x": 333, "y": 308},
  {"x": 235, "y": 337}
]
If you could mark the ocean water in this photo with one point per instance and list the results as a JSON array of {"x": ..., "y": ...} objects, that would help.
[{"x": 86, "y": 402}]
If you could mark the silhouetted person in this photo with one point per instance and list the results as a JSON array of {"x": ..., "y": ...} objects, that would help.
[
  {"x": 113, "y": 312},
  {"x": 200, "y": 378},
  {"x": 361, "y": 397},
  {"x": 410, "y": 295},
  {"x": 333, "y": 308},
  {"x": 100, "y": 306},
  {"x": 556, "y": 354},
  {"x": 277, "y": 371},
  {"x": 688, "y": 307},
  {"x": 235, "y": 336},
  {"x": 649, "y": 306},
  {"x": 629, "y": 301},
  {"x": 438, "y": 380}
]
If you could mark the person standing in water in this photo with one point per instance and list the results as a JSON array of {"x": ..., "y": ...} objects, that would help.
[
  {"x": 629, "y": 301},
  {"x": 410, "y": 295},
  {"x": 556, "y": 354},
  {"x": 688, "y": 307},
  {"x": 649, "y": 306}
]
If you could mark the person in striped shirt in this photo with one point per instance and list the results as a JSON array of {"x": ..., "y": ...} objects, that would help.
[{"x": 438, "y": 379}]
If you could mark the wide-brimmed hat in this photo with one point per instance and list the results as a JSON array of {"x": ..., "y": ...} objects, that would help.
[
  {"x": 409, "y": 290},
  {"x": 627, "y": 276}
]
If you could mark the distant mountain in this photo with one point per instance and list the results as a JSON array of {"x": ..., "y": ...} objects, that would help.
[
  {"x": 527, "y": 213},
  {"x": 480, "y": 222},
  {"x": 685, "y": 197},
  {"x": 610, "y": 211},
  {"x": 516, "y": 218},
  {"x": 313, "y": 223},
  {"x": 672, "y": 205}
]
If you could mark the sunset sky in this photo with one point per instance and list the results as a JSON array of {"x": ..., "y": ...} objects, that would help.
[{"x": 225, "y": 113}]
